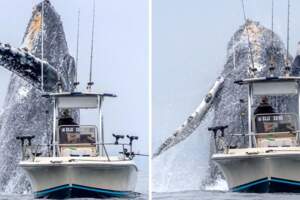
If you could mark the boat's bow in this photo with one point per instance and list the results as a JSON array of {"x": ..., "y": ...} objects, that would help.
[
  {"x": 62, "y": 177},
  {"x": 261, "y": 169}
]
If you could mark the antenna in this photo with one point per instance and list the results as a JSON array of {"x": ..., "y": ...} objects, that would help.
[
  {"x": 287, "y": 67},
  {"x": 77, "y": 51},
  {"x": 253, "y": 69},
  {"x": 90, "y": 83},
  {"x": 272, "y": 67},
  {"x": 42, "y": 50},
  {"x": 272, "y": 23}
]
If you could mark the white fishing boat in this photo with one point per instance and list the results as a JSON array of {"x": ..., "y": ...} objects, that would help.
[
  {"x": 77, "y": 163},
  {"x": 269, "y": 159}
]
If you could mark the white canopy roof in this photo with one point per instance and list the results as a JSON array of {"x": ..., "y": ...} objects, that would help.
[
  {"x": 273, "y": 86},
  {"x": 78, "y": 99}
]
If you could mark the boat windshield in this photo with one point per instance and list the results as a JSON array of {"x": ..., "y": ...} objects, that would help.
[
  {"x": 75, "y": 134},
  {"x": 275, "y": 122}
]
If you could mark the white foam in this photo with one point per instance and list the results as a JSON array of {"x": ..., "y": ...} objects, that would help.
[
  {"x": 23, "y": 91},
  {"x": 184, "y": 166},
  {"x": 219, "y": 185}
]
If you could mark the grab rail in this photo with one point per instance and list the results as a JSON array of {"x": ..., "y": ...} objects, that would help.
[{"x": 35, "y": 150}]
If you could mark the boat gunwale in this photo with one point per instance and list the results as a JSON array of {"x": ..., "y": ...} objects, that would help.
[
  {"x": 262, "y": 155},
  {"x": 80, "y": 163}
]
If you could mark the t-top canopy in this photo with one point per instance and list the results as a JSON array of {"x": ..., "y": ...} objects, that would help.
[
  {"x": 272, "y": 85},
  {"x": 77, "y": 99}
]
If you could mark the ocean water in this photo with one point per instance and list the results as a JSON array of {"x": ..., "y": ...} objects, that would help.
[
  {"x": 219, "y": 191},
  {"x": 222, "y": 195}
]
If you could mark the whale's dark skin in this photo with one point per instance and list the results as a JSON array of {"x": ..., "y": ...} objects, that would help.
[{"x": 25, "y": 111}]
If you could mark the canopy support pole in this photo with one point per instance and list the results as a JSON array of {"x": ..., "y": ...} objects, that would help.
[
  {"x": 100, "y": 134},
  {"x": 54, "y": 129},
  {"x": 250, "y": 98}
]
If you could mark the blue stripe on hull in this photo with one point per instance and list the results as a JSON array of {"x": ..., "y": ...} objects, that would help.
[
  {"x": 79, "y": 191},
  {"x": 271, "y": 185}
]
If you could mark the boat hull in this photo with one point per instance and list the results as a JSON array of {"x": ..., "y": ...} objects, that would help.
[
  {"x": 269, "y": 185},
  {"x": 97, "y": 179},
  {"x": 79, "y": 191},
  {"x": 265, "y": 172}
]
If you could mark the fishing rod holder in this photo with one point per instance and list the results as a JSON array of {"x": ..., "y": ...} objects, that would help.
[
  {"x": 75, "y": 84},
  {"x": 271, "y": 70},
  {"x": 89, "y": 85},
  {"x": 216, "y": 130},
  {"x": 253, "y": 71},
  {"x": 59, "y": 86},
  {"x": 23, "y": 139},
  {"x": 287, "y": 70},
  {"x": 219, "y": 137},
  {"x": 117, "y": 137},
  {"x": 132, "y": 138},
  {"x": 130, "y": 154},
  {"x": 25, "y": 142}
]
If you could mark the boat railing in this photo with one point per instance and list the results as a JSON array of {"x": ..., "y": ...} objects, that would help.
[
  {"x": 31, "y": 151},
  {"x": 223, "y": 142}
]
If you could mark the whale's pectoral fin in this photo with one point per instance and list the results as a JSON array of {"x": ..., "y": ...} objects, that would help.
[
  {"x": 193, "y": 121},
  {"x": 28, "y": 67}
]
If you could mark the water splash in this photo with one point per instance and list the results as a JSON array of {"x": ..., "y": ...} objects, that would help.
[
  {"x": 220, "y": 184},
  {"x": 184, "y": 167}
]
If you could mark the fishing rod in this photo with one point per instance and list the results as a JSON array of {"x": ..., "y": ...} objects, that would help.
[
  {"x": 77, "y": 50},
  {"x": 272, "y": 66},
  {"x": 90, "y": 83},
  {"x": 287, "y": 67},
  {"x": 272, "y": 23}
]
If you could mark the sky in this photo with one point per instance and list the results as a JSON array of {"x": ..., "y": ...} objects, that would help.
[
  {"x": 120, "y": 56},
  {"x": 189, "y": 50}
]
